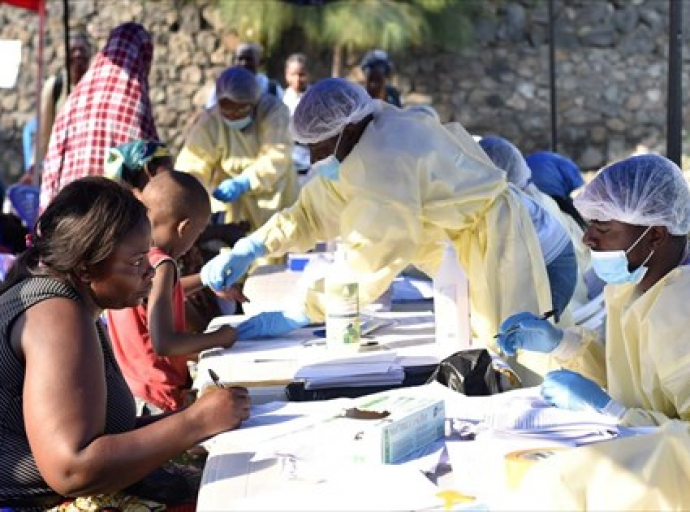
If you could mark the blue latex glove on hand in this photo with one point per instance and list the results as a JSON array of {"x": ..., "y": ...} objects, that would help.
[
  {"x": 231, "y": 189},
  {"x": 273, "y": 323},
  {"x": 226, "y": 268},
  {"x": 528, "y": 332},
  {"x": 570, "y": 390}
]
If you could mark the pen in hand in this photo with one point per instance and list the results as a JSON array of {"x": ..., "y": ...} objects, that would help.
[
  {"x": 514, "y": 328},
  {"x": 216, "y": 379}
]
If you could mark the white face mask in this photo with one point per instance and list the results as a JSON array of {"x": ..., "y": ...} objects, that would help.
[
  {"x": 238, "y": 124},
  {"x": 329, "y": 167},
  {"x": 612, "y": 266}
]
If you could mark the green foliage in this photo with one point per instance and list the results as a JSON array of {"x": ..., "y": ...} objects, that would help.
[{"x": 393, "y": 25}]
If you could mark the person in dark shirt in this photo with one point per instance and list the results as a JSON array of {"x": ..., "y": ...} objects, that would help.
[{"x": 377, "y": 68}]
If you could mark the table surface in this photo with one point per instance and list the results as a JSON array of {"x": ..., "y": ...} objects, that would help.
[
  {"x": 407, "y": 340},
  {"x": 275, "y": 462}
]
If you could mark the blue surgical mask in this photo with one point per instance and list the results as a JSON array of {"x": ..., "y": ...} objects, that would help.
[
  {"x": 238, "y": 124},
  {"x": 612, "y": 266},
  {"x": 329, "y": 167}
]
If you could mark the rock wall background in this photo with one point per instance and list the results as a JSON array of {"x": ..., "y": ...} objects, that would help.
[{"x": 611, "y": 71}]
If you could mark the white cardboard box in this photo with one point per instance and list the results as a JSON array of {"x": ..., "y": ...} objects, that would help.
[{"x": 413, "y": 423}]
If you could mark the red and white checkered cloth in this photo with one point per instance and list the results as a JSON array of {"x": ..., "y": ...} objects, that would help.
[{"x": 109, "y": 106}]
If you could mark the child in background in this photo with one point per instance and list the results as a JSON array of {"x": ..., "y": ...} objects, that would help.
[
  {"x": 297, "y": 79},
  {"x": 149, "y": 341}
]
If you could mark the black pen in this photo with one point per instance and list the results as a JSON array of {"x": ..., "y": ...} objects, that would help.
[{"x": 216, "y": 379}]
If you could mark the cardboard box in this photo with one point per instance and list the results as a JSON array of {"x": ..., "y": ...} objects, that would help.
[{"x": 413, "y": 423}]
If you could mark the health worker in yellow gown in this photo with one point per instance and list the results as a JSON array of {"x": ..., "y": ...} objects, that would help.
[
  {"x": 240, "y": 149},
  {"x": 393, "y": 185},
  {"x": 639, "y": 213}
]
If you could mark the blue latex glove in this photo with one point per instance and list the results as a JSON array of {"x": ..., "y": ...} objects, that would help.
[
  {"x": 273, "y": 323},
  {"x": 231, "y": 189},
  {"x": 226, "y": 268},
  {"x": 528, "y": 332},
  {"x": 569, "y": 390}
]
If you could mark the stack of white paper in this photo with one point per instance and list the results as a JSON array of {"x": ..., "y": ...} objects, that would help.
[
  {"x": 377, "y": 368},
  {"x": 553, "y": 424}
]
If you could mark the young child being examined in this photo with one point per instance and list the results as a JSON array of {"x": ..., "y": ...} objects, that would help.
[{"x": 149, "y": 341}]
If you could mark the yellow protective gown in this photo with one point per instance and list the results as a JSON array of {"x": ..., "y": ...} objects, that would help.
[
  {"x": 582, "y": 252},
  {"x": 646, "y": 362},
  {"x": 262, "y": 152},
  {"x": 408, "y": 184},
  {"x": 646, "y": 472}
]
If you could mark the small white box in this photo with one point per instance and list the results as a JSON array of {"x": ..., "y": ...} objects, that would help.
[{"x": 413, "y": 423}]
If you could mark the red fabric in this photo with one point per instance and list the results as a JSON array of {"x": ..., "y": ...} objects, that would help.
[
  {"x": 32, "y": 5},
  {"x": 153, "y": 378},
  {"x": 109, "y": 106}
]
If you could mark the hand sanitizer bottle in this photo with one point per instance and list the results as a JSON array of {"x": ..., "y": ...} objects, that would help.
[
  {"x": 451, "y": 305},
  {"x": 342, "y": 304}
]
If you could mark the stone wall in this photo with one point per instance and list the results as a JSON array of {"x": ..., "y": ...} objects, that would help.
[{"x": 611, "y": 71}]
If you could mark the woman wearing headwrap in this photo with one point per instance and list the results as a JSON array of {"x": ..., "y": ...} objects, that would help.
[
  {"x": 135, "y": 163},
  {"x": 109, "y": 106}
]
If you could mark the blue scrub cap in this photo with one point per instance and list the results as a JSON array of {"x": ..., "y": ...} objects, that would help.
[
  {"x": 554, "y": 174},
  {"x": 327, "y": 107},
  {"x": 238, "y": 84},
  {"x": 644, "y": 190}
]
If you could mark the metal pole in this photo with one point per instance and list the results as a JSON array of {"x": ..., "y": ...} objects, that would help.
[
  {"x": 552, "y": 76},
  {"x": 36, "y": 176},
  {"x": 65, "y": 23},
  {"x": 674, "y": 105}
]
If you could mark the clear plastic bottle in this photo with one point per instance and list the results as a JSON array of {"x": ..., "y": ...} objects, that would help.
[
  {"x": 451, "y": 304},
  {"x": 342, "y": 304}
]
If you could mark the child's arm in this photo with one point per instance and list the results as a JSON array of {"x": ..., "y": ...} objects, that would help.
[
  {"x": 192, "y": 284},
  {"x": 164, "y": 339}
]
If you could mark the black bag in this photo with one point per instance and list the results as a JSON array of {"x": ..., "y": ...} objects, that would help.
[{"x": 474, "y": 373}]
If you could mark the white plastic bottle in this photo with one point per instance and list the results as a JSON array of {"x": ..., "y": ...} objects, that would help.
[
  {"x": 451, "y": 305},
  {"x": 342, "y": 304}
]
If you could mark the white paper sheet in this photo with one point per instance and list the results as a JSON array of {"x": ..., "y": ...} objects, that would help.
[{"x": 11, "y": 51}]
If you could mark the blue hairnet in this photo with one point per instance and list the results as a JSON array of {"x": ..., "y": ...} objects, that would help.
[
  {"x": 554, "y": 174},
  {"x": 506, "y": 156},
  {"x": 327, "y": 107},
  {"x": 645, "y": 190},
  {"x": 238, "y": 84}
]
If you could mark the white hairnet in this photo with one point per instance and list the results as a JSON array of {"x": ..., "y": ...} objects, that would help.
[
  {"x": 644, "y": 190},
  {"x": 327, "y": 107},
  {"x": 425, "y": 109},
  {"x": 238, "y": 84},
  {"x": 506, "y": 156}
]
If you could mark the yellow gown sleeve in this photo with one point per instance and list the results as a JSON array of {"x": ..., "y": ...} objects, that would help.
[
  {"x": 200, "y": 154},
  {"x": 274, "y": 159},
  {"x": 381, "y": 237},
  {"x": 590, "y": 359}
]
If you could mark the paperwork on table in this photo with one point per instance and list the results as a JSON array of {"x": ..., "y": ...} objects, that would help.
[{"x": 395, "y": 340}]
